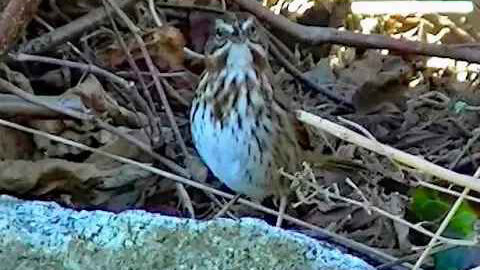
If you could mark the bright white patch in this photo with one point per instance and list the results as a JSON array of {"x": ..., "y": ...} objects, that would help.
[{"x": 411, "y": 7}]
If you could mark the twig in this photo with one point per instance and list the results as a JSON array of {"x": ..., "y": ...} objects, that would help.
[
  {"x": 281, "y": 210},
  {"x": 150, "y": 109},
  {"x": 51, "y": 29},
  {"x": 470, "y": 142},
  {"x": 127, "y": 85},
  {"x": 82, "y": 116},
  {"x": 14, "y": 106},
  {"x": 397, "y": 155},
  {"x": 192, "y": 55},
  {"x": 227, "y": 206},
  {"x": 412, "y": 257},
  {"x": 21, "y": 57},
  {"x": 448, "y": 191},
  {"x": 444, "y": 224},
  {"x": 295, "y": 72},
  {"x": 134, "y": 29},
  {"x": 156, "y": 18},
  {"x": 281, "y": 47},
  {"x": 191, "y": 7},
  {"x": 70, "y": 31},
  {"x": 54, "y": 106},
  {"x": 327, "y": 234},
  {"x": 56, "y": 9},
  {"x": 321, "y": 35},
  {"x": 173, "y": 93},
  {"x": 416, "y": 227}
]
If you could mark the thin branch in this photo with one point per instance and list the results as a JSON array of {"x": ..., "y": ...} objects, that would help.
[
  {"x": 151, "y": 111},
  {"x": 70, "y": 31},
  {"x": 334, "y": 96},
  {"x": 54, "y": 106},
  {"x": 21, "y": 57},
  {"x": 323, "y": 232},
  {"x": 443, "y": 225},
  {"x": 448, "y": 191},
  {"x": 182, "y": 192},
  {"x": 321, "y": 35},
  {"x": 397, "y": 155},
  {"x": 86, "y": 117},
  {"x": 152, "y": 68},
  {"x": 367, "y": 206}
]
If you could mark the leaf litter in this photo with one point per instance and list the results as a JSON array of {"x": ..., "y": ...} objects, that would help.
[{"x": 405, "y": 101}]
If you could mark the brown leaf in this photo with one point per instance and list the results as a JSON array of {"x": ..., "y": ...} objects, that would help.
[
  {"x": 165, "y": 45},
  {"x": 15, "y": 144},
  {"x": 20, "y": 176}
]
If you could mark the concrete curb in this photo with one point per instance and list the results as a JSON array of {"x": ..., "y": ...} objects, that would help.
[{"x": 41, "y": 235}]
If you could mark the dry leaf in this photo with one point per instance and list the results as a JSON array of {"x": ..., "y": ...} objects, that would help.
[{"x": 15, "y": 144}]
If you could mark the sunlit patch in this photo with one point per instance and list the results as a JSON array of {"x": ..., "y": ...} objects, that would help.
[
  {"x": 295, "y": 6},
  {"x": 300, "y": 6},
  {"x": 411, "y": 7},
  {"x": 440, "y": 63}
]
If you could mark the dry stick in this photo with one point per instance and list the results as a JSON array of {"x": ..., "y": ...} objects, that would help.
[
  {"x": 169, "y": 88},
  {"x": 92, "y": 69},
  {"x": 174, "y": 93},
  {"x": 325, "y": 233},
  {"x": 227, "y": 206},
  {"x": 13, "y": 106},
  {"x": 221, "y": 205},
  {"x": 163, "y": 97},
  {"x": 4, "y": 85},
  {"x": 70, "y": 31},
  {"x": 281, "y": 210},
  {"x": 297, "y": 73},
  {"x": 191, "y": 7},
  {"x": 182, "y": 192},
  {"x": 444, "y": 224},
  {"x": 51, "y": 29},
  {"x": 156, "y": 18},
  {"x": 135, "y": 30},
  {"x": 281, "y": 47},
  {"x": 368, "y": 207},
  {"x": 320, "y": 35},
  {"x": 412, "y": 257},
  {"x": 465, "y": 149},
  {"x": 21, "y": 57},
  {"x": 409, "y": 159},
  {"x": 448, "y": 191},
  {"x": 151, "y": 106}
]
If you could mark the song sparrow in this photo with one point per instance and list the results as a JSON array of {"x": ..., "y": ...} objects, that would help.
[{"x": 239, "y": 128}]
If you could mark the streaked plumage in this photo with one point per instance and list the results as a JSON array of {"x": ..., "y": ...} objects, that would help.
[{"x": 242, "y": 133}]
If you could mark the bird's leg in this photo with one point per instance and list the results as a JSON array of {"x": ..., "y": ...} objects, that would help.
[
  {"x": 281, "y": 210},
  {"x": 226, "y": 206}
]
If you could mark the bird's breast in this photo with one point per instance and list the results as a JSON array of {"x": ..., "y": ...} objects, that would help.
[{"x": 238, "y": 147}]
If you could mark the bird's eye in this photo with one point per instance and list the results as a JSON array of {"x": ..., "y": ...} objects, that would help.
[
  {"x": 251, "y": 30},
  {"x": 221, "y": 32}
]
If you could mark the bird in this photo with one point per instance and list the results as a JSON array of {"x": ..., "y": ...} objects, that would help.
[{"x": 241, "y": 129}]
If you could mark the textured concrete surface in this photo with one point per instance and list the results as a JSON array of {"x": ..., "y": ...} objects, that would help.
[{"x": 39, "y": 235}]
